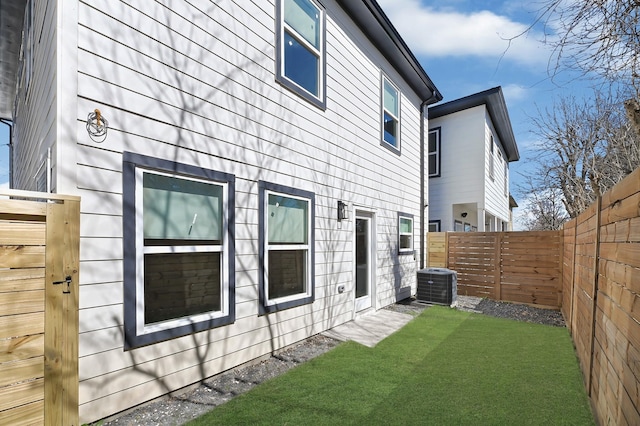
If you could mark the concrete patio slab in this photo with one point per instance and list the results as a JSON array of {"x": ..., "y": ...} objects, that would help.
[{"x": 370, "y": 328}]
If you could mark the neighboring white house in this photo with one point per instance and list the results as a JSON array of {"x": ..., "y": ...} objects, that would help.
[
  {"x": 471, "y": 144},
  {"x": 239, "y": 135}
]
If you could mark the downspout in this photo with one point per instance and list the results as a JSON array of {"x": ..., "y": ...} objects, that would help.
[
  {"x": 10, "y": 125},
  {"x": 423, "y": 202}
]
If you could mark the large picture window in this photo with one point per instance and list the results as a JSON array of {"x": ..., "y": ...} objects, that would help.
[
  {"x": 301, "y": 48},
  {"x": 286, "y": 247},
  {"x": 178, "y": 252}
]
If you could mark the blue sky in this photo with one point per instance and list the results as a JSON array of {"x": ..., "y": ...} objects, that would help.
[{"x": 463, "y": 45}]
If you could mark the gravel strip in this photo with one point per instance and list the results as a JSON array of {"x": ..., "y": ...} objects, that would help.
[
  {"x": 521, "y": 312},
  {"x": 177, "y": 410}
]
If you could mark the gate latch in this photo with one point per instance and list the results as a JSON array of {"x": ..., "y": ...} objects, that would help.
[{"x": 67, "y": 280}]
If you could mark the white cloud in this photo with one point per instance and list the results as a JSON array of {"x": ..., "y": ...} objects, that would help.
[
  {"x": 514, "y": 93},
  {"x": 444, "y": 32}
]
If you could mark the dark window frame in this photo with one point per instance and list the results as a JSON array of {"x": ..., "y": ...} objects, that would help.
[
  {"x": 438, "y": 224},
  {"x": 319, "y": 101},
  {"x": 412, "y": 250},
  {"x": 131, "y": 162},
  {"x": 265, "y": 306},
  {"x": 396, "y": 149},
  {"x": 438, "y": 153}
]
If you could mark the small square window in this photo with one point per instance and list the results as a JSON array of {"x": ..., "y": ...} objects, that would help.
[
  {"x": 286, "y": 247},
  {"x": 405, "y": 233},
  {"x": 179, "y": 260},
  {"x": 390, "y": 114},
  {"x": 301, "y": 48},
  {"x": 434, "y": 226}
]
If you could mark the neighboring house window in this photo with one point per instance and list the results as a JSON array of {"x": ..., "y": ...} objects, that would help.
[
  {"x": 405, "y": 233},
  {"x": 457, "y": 226},
  {"x": 301, "y": 48},
  {"x": 491, "y": 160},
  {"x": 506, "y": 179},
  {"x": 178, "y": 249},
  {"x": 286, "y": 247},
  {"x": 434, "y": 226},
  {"x": 434, "y": 152},
  {"x": 390, "y": 114}
]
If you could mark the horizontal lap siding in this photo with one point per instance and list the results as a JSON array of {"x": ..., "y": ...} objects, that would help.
[
  {"x": 201, "y": 90},
  {"x": 35, "y": 125}
]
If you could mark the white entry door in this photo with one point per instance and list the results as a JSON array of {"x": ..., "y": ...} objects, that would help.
[{"x": 364, "y": 261}]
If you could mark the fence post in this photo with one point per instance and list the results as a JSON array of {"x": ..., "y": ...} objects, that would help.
[
  {"x": 573, "y": 277},
  {"x": 595, "y": 292},
  {"x": 446, "y": 249},
  {"x": 61, "y": 313},
  {"x": 497, "y": 254}
]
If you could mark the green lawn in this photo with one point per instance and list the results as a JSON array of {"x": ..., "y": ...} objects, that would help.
[{"x": 445, "y": 367}]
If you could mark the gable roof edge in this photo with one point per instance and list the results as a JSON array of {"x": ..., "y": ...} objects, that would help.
[
  {"x": 494, "y": 101},
  {"x": 375, "y": 24}
]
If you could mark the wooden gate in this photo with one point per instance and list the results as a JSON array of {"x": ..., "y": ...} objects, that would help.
[{"x": 39, "y": 262}]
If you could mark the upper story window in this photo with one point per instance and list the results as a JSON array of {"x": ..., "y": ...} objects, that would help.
[
  {"x": 434, "y": 152},
  {"x": 390, "y": 114},
  {"x": 301, "y": 49}
]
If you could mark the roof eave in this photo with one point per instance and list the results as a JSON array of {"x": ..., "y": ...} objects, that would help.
[
  {"x": 375, "y": 24},
  {"x": 497, "y": 108}
]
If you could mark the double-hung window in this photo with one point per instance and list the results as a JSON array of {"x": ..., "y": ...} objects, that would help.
[
  {"x": 286, "y": 247},
  {"x": 301, "y": 48},
  {"x": 434, "y": 152},
  {"x": 405, "y": 233},
  {"x": 178, "y": 253},
  {"x": 390, "y": 115}
]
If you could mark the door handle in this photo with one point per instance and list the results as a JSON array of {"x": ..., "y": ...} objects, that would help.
[{"x": 67, "y": 280}]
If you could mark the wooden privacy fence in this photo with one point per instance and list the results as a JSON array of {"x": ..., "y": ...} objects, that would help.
[
  {"x": 602, "y": 306},
  {"x": 522, "y": 267},
  {"x": 591, "y": 269},
  {"x": 39, "y": 247}
]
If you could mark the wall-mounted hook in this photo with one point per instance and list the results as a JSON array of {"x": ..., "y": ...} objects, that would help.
[{"x": 97, "y": 126}]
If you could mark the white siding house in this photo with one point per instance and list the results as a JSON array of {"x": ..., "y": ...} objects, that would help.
[
  {"x": 237, "y": 132},
  {"x": 471, "y": 144}
]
